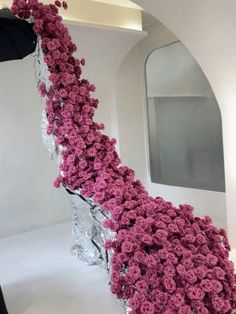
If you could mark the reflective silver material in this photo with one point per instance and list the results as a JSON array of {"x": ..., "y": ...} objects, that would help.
[
  {"x": 42, "y": 75},
  {"x": 41, "y": 68},
  {"x": 88, "y": 217},
  {"x": 59, "y": 150},
  {"x": 82, "y": 230},
  {"x": 88, "y": 230},
  {"x": 48, "y": 140},
  {"x": 125, "y": 307}
]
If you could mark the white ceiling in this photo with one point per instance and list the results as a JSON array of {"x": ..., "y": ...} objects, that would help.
[
  {"x": 120, "y": 13},
  {"x": 121, "y": 3}
]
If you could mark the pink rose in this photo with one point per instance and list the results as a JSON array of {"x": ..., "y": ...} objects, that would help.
[
  {"x": 127, "y": 247},
  {"x": 141, "y": 286},
  {"x": 147, "y": 308},
  {"x": 195, "y": 293}
]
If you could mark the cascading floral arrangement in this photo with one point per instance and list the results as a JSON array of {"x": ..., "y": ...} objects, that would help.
[{"x": 165, "y": 260}]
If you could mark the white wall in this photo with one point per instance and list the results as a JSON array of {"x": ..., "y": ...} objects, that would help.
[
  {"x": 133, "y": 136},
  {"x": 28, "y": 200},
  {"x": 131, "y": 96},
  {"x": 206, "y": 28},
  {"x": 104, "y": 50}
]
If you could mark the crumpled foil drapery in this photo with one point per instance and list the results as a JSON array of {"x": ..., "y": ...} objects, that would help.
[
  {"x": 88, "y": 217},
  {"x": 88, "y": 231}
]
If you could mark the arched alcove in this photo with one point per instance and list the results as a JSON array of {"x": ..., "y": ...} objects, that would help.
[
  {"x": 206, "y": 29},
  {"x": 184, "y": 122},
  {"x": 132, "y": 111}
]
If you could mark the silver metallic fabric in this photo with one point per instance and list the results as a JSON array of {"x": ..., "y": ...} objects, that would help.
[
  {"x": 48, "y": 140},
  {"x": 88, "y": 231},
  {"x": 88, "y": 218},
  {"x": 42, "y": 76},
  {"x": 82, "y": 230},
  {"x": 125, "y": 307}
]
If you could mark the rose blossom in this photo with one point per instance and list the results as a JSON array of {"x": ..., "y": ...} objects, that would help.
[
  {"x": 195, "y": 293},
  {"x": 141, "y": 286},
  {"x": 147, "y": 308}
]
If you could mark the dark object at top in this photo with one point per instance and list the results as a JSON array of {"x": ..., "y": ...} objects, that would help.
[{"x": 17, "y": 38}]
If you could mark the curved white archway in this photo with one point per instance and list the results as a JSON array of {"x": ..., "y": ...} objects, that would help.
[{"x": 206, "y": 28}]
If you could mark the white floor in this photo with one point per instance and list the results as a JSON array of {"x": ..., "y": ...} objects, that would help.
[{"x": 39, "y": 276}]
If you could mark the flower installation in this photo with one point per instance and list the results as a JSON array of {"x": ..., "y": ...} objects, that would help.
[{"x": 165, "y": 260}]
